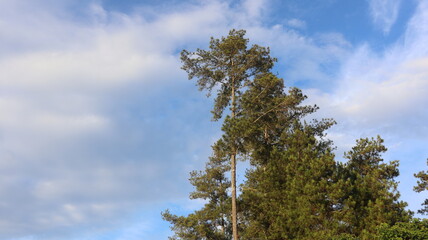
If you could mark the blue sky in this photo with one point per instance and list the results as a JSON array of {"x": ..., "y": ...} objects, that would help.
[{"x": 99, "y": 127}]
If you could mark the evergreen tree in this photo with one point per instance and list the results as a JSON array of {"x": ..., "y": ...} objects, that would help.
[
  {"x": 288, "y": 197},
  {"x": 213, "y": 220},
  {"x": 371, "y": 195},
  {"x": 268, "y": 113},
  {"x": 294, "y": 189},
  {"x": 227, "y": 67},
  {"x": 286, "y": 192},
  {"x": 422, "y": 186},
  {"x": 417, "y": 229}
]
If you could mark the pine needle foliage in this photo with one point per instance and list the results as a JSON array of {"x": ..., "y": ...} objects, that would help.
[
  {"x": 422, "y": 185},
  {"x": 294, "y": 189}
]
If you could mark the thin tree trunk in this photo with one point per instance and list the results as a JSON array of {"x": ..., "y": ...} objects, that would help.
[
  {"x": 233, "y": 175},
  {"x": 234, "y": 212}
]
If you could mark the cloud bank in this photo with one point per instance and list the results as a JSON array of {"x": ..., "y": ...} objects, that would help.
[
  {"x": 96, "y": 117},
  {"x": 385, "y": 93},
  {"x": 99, "y": 126}
]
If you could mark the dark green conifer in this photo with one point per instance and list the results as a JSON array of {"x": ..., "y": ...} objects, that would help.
[
  {"x": 213, "y": 220},
  {"x": 294, "y": 188},
  {"x": 416, "y": 229},
  {"x": 286, "y": 195},
  {"x": 371, "y": 195},
  {"x": 422, "y": 185}
]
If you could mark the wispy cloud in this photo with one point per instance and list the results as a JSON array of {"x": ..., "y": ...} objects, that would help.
[
  {"x": 384, "y": 13},
  {"x": 384, "y": 88},
  {"x": 385, "y": 93},
  {"x": 296, "y": 23},
  {"x": 80, "y": 137},
  {"x": 96, "y": 117}
]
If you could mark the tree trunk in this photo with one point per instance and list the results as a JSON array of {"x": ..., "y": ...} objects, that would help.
[
  {"x": 233, "y": 175},
  {"x": 234, "y": 212}
]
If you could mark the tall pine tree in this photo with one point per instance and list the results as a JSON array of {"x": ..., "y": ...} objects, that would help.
[
  {"x": 294, "y": 189},
  {"x": 227, "y": 67}
]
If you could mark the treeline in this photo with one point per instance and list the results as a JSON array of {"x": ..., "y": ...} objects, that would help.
[{"x": 295, "y": 189}]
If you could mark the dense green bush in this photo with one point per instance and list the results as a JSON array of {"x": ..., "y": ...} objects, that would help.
[
  {"x": 345, "y": 236},
  {"x": 417, "y": 229}
]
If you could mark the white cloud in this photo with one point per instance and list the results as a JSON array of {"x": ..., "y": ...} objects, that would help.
[
  {"x": 97, "y": 119},
  {"x": 379, "y": 96},
  {"x": 303, "y": 59},
  {"x": 296, "y": 23},
  {"x": 254, "y": 8},
  {"x": 385, "y": 93},
  {"x": 384, "y": 13},
  {"x": 85, "y": 105},
  {"x": 75, "y": 149},
  {"x": 387, "y": 89}
]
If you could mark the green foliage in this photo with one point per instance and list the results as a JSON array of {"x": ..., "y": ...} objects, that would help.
[
  {"x": 294, "y": 189},
  {"x": 415, "y": 230},
  {"x": 286, "y": 192},
  {"x": 370, "y": 191},
  {"x": 228, "y": 64},
  {"x": 288, "y": 197},
  {"x": 213, "y": 220},
  {"x": 422, "y": 185},
  {"x": 345, "y": 236},
  {"x": 268, "y": 113}
]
